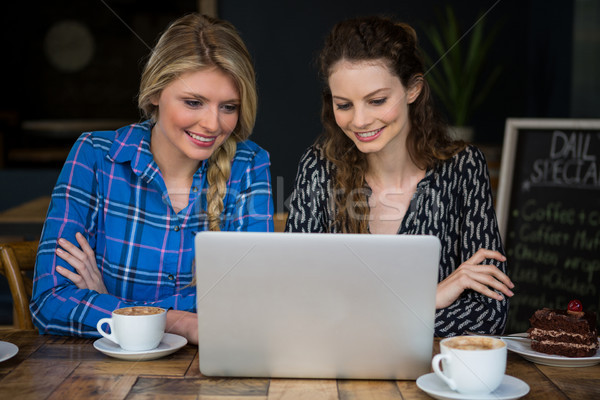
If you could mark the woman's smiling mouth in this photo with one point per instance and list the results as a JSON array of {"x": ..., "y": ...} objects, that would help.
[
  {"x": 201, "y": 140},
  {"x": 368, "y": 136}
]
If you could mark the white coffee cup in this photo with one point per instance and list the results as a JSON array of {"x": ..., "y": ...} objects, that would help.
[
  {"x": 471, "y": 364},
  {"x": 139, "y": 328}
]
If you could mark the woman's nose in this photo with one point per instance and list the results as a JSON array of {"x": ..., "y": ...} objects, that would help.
[
  {"x": 210, "y": 120},
  {"x": 361, "y": 118}
]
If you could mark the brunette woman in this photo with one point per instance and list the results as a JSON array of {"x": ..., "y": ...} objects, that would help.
[{"x": 386, "y": 165}]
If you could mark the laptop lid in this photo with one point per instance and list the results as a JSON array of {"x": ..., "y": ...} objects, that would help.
[{"x": 316, "y": 305}]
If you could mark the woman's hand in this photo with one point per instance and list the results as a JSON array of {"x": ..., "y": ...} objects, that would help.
[
  {"x": 183, "y": 323},
  {"x": 88, "y": 275},
  {"x": 476, "y": 276}
]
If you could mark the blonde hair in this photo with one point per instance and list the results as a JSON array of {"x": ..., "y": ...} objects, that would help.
[{"x": 196, "y": 42}]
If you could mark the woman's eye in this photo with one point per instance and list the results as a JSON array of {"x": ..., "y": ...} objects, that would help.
[
  {"x": 193, "y": 103},
  {"x": 230, "y": 108},
  {"x": 343, "y": 106},
  {"x": 378, "y": 102}
]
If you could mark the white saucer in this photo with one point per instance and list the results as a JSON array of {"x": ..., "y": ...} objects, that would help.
[
  {"x": 169, "y": 344},
  {"x": 7, "y": 350},
  {"x": 511, "y": 388},
  {"x": 524, "y": 350}
]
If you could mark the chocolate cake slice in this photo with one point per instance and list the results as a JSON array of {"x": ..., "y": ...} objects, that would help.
[{"x": 564, "y": 332}]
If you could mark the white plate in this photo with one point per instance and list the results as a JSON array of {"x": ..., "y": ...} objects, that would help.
[
  {"x": 170, "y": 343},
  {"x": 524, "y": 350},
  {"x": 511, "y": 388},
  {"x": 7, "y": 350}
]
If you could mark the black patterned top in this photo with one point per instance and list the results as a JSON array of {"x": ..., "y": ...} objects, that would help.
[{"x": 453, "y": 202}]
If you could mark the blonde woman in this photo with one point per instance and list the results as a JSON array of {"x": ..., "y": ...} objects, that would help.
[{"x": 121, "y": 224}]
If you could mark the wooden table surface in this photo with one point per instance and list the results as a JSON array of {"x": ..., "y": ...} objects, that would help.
[
  {"x": 55, "y": 367},
  {"x": 33, "y": 211},
  {"x": 25, "y": 221},
  {"x": 29, "y": 217}
]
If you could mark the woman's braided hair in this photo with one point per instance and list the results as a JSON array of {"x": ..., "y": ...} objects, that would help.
[{"x": 197, "y": 42}]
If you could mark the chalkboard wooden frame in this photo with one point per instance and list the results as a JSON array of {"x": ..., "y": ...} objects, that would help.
[
  {"x": 549, "y": 226},
  {"x": 512, "y": 130}
]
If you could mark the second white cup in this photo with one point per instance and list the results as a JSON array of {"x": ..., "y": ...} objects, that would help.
[
  {"x": 139, "y": 328},
  {"x": 471, "y": 364}
]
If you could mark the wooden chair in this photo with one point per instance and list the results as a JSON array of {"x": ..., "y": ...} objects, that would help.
[
  {"x": 279, "y": 220},
  {"x": 16, "y": 259}
]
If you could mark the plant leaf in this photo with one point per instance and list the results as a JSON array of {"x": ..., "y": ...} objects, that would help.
[
  {"x": 456, "y": 73},
  {"x": 485, "y": 90}
]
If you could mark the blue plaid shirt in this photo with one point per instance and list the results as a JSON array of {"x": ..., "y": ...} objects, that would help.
[{"x": 112, "y": 191}]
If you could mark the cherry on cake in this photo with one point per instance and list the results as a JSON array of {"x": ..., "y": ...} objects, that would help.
[{"x": 570, "y": 333}]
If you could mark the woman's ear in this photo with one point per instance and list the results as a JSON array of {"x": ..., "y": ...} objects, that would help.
[{"x": 415, "y": 88}]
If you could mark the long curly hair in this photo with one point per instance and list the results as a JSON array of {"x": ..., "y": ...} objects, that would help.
[
  {"x": 195, "y": 42},
  {"x": 428, "y": 143}
]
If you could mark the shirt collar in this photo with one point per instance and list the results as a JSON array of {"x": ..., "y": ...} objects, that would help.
[{"x": 132, "y": 144}]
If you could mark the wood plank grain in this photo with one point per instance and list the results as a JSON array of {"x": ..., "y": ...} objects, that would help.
[
  {"x": 31, "y": 211},
  {"x": 35, "y": 379},
  {"x": 70, "y": 340},
  {"x": 540, "y": 387},
  {"x": 72, "y": 351},
  {"x": 297, "y": 389},
  {"x": 219, "y": 397},
  {"x": 63, "y": 367},
  {"x": 358, "y": 390},
  {"x": 168, "y": 367},
  {"x": 146, "y": 388},
  {"x": 94, "y": 387},
  {"x": 249, "y": 387},
  {"x": 410, "y": 391},
  {"x": 32, "y": 338},
  {"x": 194, "y": 369},
  {"x": 27, "y": 344},
  {"x": 164, "y": 389},
  {"x": 22, "y": 337},
  {"x": 578, "y": 383},
  {"x": 175, "y": 365}
]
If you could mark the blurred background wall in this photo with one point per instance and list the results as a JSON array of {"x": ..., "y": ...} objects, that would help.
[
  {"x": 70, "y": 66},
  {"x": 79, "y": 62}
]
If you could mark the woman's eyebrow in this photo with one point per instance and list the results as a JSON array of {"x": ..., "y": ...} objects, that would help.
[
  {"x": 206, "y": 100},
  {"x": 373, "y": 93},
  {"x": 195, "y": 95}
]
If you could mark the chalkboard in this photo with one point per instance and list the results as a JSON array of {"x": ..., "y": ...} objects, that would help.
[{"x": 549, "y": 214}]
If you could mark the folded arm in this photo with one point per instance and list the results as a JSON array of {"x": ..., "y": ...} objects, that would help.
[
  {"x": 87, "y": 276},
  {"x": 131, "y": 272}
]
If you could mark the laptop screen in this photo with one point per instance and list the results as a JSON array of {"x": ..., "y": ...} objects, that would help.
[{"x": 316, "y": 305}]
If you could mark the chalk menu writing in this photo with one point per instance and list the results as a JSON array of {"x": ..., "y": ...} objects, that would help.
[{"x": 552, "y": 238}]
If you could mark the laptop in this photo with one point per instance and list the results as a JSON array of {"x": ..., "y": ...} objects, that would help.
[{"x": 299, "y": 305}]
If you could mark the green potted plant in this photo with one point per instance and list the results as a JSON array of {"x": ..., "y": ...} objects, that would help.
[{"x": 456, "y": 73}]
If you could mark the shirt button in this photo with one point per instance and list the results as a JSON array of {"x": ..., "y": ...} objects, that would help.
[
  {"x": 176, "y": 229},
  {"x": 171, "y": 277},
  {"x": 195, "y": 189}
]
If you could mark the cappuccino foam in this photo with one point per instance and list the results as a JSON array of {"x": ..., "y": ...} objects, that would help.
[
  {"x": 139, "y": 310},
  {"x": 474, "y": 343}
]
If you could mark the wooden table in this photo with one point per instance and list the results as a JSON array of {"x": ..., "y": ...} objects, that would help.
[
  {"x": 54, "y": 367},
  {"x": 25, "y": 220}
]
